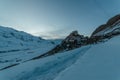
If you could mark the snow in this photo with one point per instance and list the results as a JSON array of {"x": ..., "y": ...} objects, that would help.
[
  {"x": 43, "y": 69},
  {"x": 91, "y": 62},
  {"x": 13, "y": 39},
  {"x": 100, "y": 62},
  {"x": 17, "y": 46}
]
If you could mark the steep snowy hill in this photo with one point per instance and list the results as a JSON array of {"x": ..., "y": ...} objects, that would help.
[
  {"x": 17, "y": 46},
  {"x": 100, "y": 62}
]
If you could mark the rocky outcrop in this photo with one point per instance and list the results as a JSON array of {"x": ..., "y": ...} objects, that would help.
[
  {"x": 75, "y": 40},
  {"x": 72, "y": 41},
  {"x": 106, "y": 31},
  {"x": 109, "y": 27},
  {"x": 113, "y": 20}
]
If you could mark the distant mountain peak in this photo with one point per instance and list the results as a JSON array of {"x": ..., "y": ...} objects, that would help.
[
  {"x": 11, "y": 37},
  {"x": 74, "y": 33},
  {"x": 102, "y": 33},
  {"x": 75, "y": 40}
]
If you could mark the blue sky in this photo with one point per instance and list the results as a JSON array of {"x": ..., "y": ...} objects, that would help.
[{"x": 56, "y": 18}]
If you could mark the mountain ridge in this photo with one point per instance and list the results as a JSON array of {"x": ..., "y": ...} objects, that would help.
[
  {"x": 46, "y": 59},
  {"x": 72, "y": 41}
]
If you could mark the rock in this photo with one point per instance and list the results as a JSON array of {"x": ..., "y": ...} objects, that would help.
[
  {"x": 110, "y": 27},
  {"x": 74, "y": 40},
  {"x": 113, "y": 20}
]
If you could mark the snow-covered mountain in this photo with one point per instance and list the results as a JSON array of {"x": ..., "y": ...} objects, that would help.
[
  {"x": 10, "y": 37},
  {"x": 77, "y": 57},
  {"x": 75, "y": 40},
  {"x": 18, "y": 46},
  {"x": 72, "y": 41},
  {"x": 95, "y": 62},
  {"x": 100, "y": 62}
]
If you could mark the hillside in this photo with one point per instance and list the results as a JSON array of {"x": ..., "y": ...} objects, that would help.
[
  {"x": 96, "y": 62},
  {"x": 100, "y": 62},
  {"x": 77, "y": 57},
  {"x": 18, "y": 46}
]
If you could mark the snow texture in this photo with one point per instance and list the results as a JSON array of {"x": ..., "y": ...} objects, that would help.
[{"x": 100, "y": 62}]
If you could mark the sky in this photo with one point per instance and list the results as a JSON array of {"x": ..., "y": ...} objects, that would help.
[{"x": 57, "y": 18}]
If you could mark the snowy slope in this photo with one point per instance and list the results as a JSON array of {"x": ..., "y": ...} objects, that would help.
[
  {"x": 89, "y": 62},
  {"x": 14, "y": 39},
  {"x": 95, "y": 62},
  {"x": 17, "y": 46},
  {"x": 43, "y": 69},
  {"x": 100, "y": 62},
  {"x": 10, "y": 37}
]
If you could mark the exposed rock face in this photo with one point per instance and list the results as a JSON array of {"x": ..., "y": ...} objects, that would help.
[
  {"x": 111, "y": 25},
  {"x": 72, "y": 41},
  {"x": 106, "y": 31},
  {"x": 75, "y": 40},
  {"x": 100, "y": 28},
  {"x": 113, "y": 20}
]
